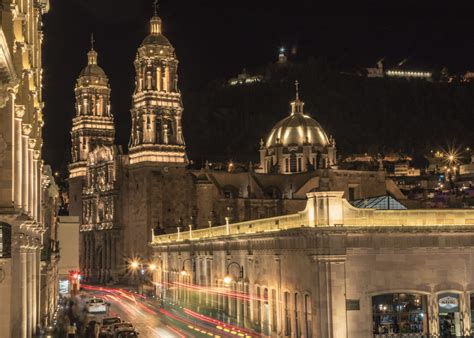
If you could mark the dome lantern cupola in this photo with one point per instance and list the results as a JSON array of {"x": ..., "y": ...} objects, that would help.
[
  {"x": 297, "y": 144},
  {"x": 297, "y": 105},
  {"x": 155, "y": 25}
]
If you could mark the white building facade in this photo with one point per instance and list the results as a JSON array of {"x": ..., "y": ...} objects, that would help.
[
  {"x": 330, "y": 270},
  {"x": 21, "y": 121}
]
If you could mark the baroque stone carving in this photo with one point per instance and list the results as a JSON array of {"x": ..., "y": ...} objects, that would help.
[{"x": 19, "y": 111}]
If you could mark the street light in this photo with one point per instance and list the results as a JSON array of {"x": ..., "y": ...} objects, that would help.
[
  {"x": 228, "y": 278},
  {"x": 183, "y": 270},
  {"x": 137, "y": 265},
  {"x": 134, "y": 265}
]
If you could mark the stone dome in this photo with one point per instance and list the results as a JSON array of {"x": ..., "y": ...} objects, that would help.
[
  {"x": 92, "y": 70},
  {"x": 92, "y": 73},
  {"x": 297, "y": 129},
  {"x": 156, "y": 39}
]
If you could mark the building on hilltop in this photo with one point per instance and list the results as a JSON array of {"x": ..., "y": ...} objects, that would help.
[{"x": 122, "y": 199}]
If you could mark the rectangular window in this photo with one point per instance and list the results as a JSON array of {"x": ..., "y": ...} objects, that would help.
[{"x": 286, "y": 305}]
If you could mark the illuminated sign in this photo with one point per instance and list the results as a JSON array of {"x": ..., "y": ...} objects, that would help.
[{"x": 448, "y": 303}]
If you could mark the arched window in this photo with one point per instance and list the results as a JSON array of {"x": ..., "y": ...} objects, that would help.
[
  {"x": 274, "y": 311},
  {"x": 5, "y": 240},
  {"x": 297, "y": 316},
  {"x": 400, "y": 311},
  {"x": 293, "y": 163},
  {"x": 259, "y": 306},
  {"x": 286, "y": 307},
  {"x": 307, "y": 316}
]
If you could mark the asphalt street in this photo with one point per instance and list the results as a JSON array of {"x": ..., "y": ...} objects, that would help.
[{"x": 152, "y": 319}]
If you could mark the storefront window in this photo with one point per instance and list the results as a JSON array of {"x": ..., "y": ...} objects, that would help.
[
  {"x": 399, "y": 313},
  {"x": 450, "y": 323}
]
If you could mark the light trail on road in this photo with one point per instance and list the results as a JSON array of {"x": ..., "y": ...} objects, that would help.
[{"x": 153, "y": 321}]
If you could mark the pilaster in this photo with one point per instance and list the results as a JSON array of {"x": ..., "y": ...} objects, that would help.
[{"x": 331, "y": 321}]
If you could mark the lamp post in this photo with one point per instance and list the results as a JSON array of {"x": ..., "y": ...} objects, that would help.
[
  {"x": 228, "y": 278},
  {"x": 183, "y": 270},
  {"x": 137, "y": 265}
]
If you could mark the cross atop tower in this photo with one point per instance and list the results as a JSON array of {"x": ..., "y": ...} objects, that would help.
[
  {"x": 92, "y": 41},
  {"x": 155, "y": 7},
  {"x": 297, "y": 85}
]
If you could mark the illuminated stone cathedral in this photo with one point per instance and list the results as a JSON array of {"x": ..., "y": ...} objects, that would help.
[{"x": 123, "y": 198}]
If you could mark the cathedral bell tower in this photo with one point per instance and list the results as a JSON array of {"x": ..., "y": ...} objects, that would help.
[
  {"x": 93, "y": 126},
  {"x": 94, "y": 123},
  {"x": 157, "y": 107}
]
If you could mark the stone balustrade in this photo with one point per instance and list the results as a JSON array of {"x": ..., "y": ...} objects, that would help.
[{"x": 329, "y": 209}]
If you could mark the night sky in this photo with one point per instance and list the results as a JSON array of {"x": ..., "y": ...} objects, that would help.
[{"x": 216, "y": 39}]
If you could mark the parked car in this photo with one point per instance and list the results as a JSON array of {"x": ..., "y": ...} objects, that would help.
[
  {"x": 122, "y": 326},
  {"x": 96, "y": 305},
  {"x": 108, "y": 322},
  {"x": 126, "y": 333}
]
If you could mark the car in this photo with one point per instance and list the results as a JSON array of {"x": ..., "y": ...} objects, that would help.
[
  {"x": 107, "y": 322},
  {"x": 96, "y": 305},
  {"x": 121, "y": 326},
  {"x": 126, "y": 333}
]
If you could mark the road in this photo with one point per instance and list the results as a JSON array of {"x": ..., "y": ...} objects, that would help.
[{"x": 151, "y": 320}]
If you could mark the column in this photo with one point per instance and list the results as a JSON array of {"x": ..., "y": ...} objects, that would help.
[
  {"x": 11, "y": 102},
  {"x": 331, "y": 297},
  {"x": 433, "y": 315},
  {"x": 24, "y": 292},
  {"x": 465, "y": 307},
  {"x": 35, "y": 185},
  {"x": 18, "y": 148},
  {"x": 38, "y": 285},
  {"x": 26, "y": 128},
  {"x": 87, "y": 245},
  {"x": 31, "y": 176},
  {"x": 30, "y": 292},
  {"x": 158, "y": 78},
  {"x": 34, "y": 289},
  {"x": 166, "y": 81},
  {"x": 37, "y": 191}
]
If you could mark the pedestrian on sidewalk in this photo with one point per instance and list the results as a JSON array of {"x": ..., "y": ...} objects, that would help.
[{"x": 97, "y": 330}]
